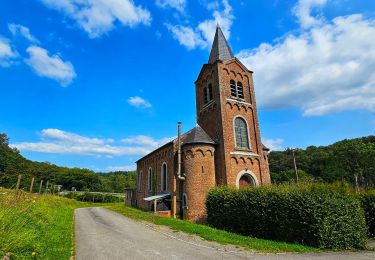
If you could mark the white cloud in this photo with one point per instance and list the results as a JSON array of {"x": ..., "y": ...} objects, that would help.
[
  {"x": 125, "y": 168},
  {"x": 327, "y": 67},
  {"x": 52, "y": 67},
  {"x": 57, "y": 134},
  {"x": 147, "y": 141},
  {"x": 176, "y": 4},
  {"x": 274, "y": 144},
  {"x": 303, "y": 11},
  {"x": 187, "y": 36},
  {"x": 97, "y": 17},
  {"x": 57, "y": 141},
  {"x": 139, "y": 102},
  {"x": 7, "y": 54},
  {"x": 17, "y": 29},
  {"x": 223, "y": 17},
  {"x": 203, "y": 34}
]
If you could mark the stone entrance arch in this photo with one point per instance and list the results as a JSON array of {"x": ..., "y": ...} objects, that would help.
[{"x": 246, "y": 179}]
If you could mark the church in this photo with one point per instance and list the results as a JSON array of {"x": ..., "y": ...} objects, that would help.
[{"x": 224, "y": 148}]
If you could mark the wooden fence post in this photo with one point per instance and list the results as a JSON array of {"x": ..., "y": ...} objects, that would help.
[
  {"x": 32, "y": 184},
  {"x": 18, "y": 183},
  {"x": 46, "y": 187},
  {"x": 40, "y": 186}
]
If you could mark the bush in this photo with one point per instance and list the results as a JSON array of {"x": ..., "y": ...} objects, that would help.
[
  {"x": 368, "y": 205},
  {"x": 95, "y": 197},
  {"x": 317, "y": 215}
]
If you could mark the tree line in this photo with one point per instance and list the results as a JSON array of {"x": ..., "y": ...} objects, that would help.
[
  {"x": 12, "y": 164},
  {"x": 350, "y": 160}
]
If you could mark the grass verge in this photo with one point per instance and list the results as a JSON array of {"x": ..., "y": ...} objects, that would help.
[
  {"x": 212, "y": 234},
  {"x": 36, "y": 227}
]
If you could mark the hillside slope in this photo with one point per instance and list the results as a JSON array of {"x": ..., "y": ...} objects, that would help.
[
  {"x": 351, "y": 161},
  {"x": 12, "y": 164}
]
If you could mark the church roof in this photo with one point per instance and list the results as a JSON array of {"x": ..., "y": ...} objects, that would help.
[
  {"x": 197, "y": 135},
  {"x": 220, "y": 48}
]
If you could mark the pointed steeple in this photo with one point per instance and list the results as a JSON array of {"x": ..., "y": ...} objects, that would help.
[{"x": 220, "y": 48}]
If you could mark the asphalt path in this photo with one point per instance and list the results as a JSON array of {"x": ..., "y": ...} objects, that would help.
[{"x": 103, "y": 234}]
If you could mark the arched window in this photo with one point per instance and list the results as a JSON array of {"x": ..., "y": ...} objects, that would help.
[
  {"x": 164, "y": 177},
  {"x": 241, "y": 134},
  {"x": 210, "y": 96},
  {"x": 207, "y": 94},
  {"x": 240, "y": 90},
  {"x": 149, "y": 182},
  {"x": 233, "y": 90},
  {"x": 139, "y": 181}
]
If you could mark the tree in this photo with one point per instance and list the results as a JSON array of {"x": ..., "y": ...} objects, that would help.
[
  {"x": 349, "y": 161},
  {"x": 289, "y": 176},
  {"x": 356, "y": 160}
]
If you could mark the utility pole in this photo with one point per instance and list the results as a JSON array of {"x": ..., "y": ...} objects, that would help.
[{"x": 295, "y": 165}]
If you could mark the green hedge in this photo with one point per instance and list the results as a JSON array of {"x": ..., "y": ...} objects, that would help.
[
  {"x": 95, "y": 197},
  {"x": 368, "y": 205},
  {"x": 317, "y": 215}
]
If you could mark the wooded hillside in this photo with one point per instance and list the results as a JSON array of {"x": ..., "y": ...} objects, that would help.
[
  {"x": 347, "y": 160},
  {"x": 12, "y": 163}
]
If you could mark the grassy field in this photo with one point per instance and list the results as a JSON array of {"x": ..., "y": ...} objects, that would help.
[
  {"x": 212, "y": 234},
  {"x": 36, "y": 227}
]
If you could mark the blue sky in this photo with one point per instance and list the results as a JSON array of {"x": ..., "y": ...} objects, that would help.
[{"x": 98, "y": 83}]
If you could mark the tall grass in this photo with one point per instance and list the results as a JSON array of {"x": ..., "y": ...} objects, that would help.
[
  {"x": 14, "y": 218},
  {"x": 36, "y": 226}
]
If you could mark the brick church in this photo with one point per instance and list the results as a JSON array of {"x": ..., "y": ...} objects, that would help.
[{"x": 224, "y": 148}]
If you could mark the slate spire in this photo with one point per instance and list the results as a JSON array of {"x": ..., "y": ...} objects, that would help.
[{"x": 220, "y": 48}]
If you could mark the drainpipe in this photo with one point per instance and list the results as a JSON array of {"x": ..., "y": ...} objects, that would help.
[{"x": 179, "y": 174}]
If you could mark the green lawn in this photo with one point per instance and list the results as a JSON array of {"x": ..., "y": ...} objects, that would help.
[
  {"x": 211, "y": 234},
  {"x": 36, "y": 225}
]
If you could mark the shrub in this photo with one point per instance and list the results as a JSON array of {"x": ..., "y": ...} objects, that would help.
[
  {"x": 317, "y": 215},
  {"x": 95, "y": 197},
  {"x": 368, "y": 205}
]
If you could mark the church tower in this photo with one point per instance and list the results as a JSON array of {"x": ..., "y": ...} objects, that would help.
[{"x": 226, "y": 110}]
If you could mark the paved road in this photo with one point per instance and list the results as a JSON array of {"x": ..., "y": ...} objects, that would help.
[{"x": 102, "y": 234}]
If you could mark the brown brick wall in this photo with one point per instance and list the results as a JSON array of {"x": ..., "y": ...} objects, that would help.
[
  {"x": 209, "y": 116},
  {"x": 200, "y": 178},
  {"x": 155, "y": 160}
]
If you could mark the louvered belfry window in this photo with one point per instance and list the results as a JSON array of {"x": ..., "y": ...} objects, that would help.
[
  {"x": 233, "y": 90},
  {"x": 210, "y": 96},
  {"x": 242, "y": 137},
  {"x": 207, "y": 94},
  {"x": 240, "y": 90},
  {"x": 236, "y": 90}
]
